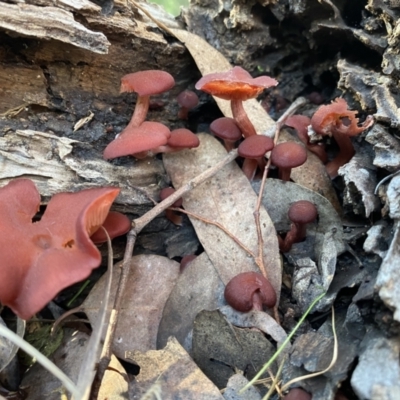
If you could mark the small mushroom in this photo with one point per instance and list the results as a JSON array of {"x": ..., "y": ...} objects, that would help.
[
  {"x": 286, "y": 156},
  {"x": 301, "y": 123},
  {"x": 236, "y": 85},
  {"x": 249, "y": 291},
  {"x": 145, "y": 84},
  {"x": 180, "y": 139},
  {"x": 226, "y": 129},
  {"x": 301, "y": 213},
  {"x": 253, "y": 149},
  {"x": 297, "y": 394},
  {"x": 138, "y": 141},
  {"x": 170, "y": 214},
  {"x": 187, "y": 100},
  {"x": 335, "y": 119},
  {"x": 186, "y": 260},
  {"x": 116, "y": 224}
]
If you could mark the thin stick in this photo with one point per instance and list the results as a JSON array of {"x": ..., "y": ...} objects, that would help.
[
  {"x": 218, "y": 225},
  {"x": 277, "y": 128}
]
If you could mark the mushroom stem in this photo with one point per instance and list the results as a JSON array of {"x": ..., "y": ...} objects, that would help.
[
  {"x": 249, "y": 168},
  {"x": 284, "y": 174},
  {"x": 242, "y": 119},
  {"x": 344, "y": 156},
  {"x": 140, "y": 112}
]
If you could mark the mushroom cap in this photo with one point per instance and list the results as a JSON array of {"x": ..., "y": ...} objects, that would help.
[
  {"x": 302, "y": 212},
  {"x": 183, "y": 139},
  {"x": 226, "y": 128},
  {"x": 188, "y": 99},
  {"x": 53, "y": 253},
  {"x": 145, "y": 137},
  {"x": 297, "y": 394},
  {"x": 255, "y": 146},
  {"x": 288, "y": 155},
  {"x": 300, "y": 123},
  {"x": 166, "y": 192},
  {"x": 235, "y": 84},
  {"x": 116, "y": 224},
  {"x": 336, "y": 118},
  {"x": 147, "y": 83},
  {"x": 240, "y": 290}
]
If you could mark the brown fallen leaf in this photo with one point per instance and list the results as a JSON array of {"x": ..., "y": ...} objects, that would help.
[
  {"x": 172, "y": 374},
  {"x": 312, "y": 174},
  {"x": 229, "y": 199},
  {"x": 150, "y": 282}
]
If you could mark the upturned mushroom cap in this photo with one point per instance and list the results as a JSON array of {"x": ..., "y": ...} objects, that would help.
[
  {"x": 183, "y": 139},
  {"x": 226, "y": 128},
  {"x": 145, "y": 137},
  {"x": 54, "y": 252},
  {"x": 255, "y": 146},
  {"x": 247, "y": 290},
  {"x": 235, "y": 84},
  {"x": 116, "y": 224},
  {"x": 147, "y": 83},
  {"x": 302, "y": 212}
]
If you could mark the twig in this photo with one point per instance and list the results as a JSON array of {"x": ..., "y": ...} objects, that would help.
[
  {"x": 218, "y": 225},
  {"x": 137, "y": 225},
  {"x": 278, "y": 126}
]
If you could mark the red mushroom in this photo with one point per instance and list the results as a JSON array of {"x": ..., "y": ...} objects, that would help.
[
  {"x": 187, "y": 100},
  {"x": 139, "y": 140},
  {"x": 301, "y": 123},
  {"x": 249, "y": 291},
  {"x": 253, "y": 149},
  {"x": 297, "y": 394},
  {"x": 170, "y": 214},
  {"x": 186, "y": 260},
  {"x": 180, "y": 139},
  {"x": 301, "y": 213},
  {"x": 52, "y": 253},
  {"x": 116, "y": 224},
  {"x": 145, "y": 84},
  {"x": 226, "y": 129},
  {"x": 286, "y": 156},
  {"x": 236, "y": 85},
  {"x": 335, "y": 119}
]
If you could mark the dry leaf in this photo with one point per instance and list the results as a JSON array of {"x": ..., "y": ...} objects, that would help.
[
  {"x": 40, "y": 384},
  {"x": 312, "y": 174},
  {"x": 150, "y": 282},
  {"x": 229, "y": 199},
  {"x": 197, "y": 288},
  {"x": 175, "y": 373}
]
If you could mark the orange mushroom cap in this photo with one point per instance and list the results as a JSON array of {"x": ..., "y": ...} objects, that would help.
[
  {"x": 235, "y": 84},
  {"x": 52, "y": 253}
]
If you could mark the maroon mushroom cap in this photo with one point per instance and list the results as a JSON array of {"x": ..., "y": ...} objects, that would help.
[
  {"x": 188, "y": 99},
  {"x": 226, "y": 128},
  {"x": 183, "y": 139},
  {"x": 166, "y": 192},
  {"x": 145, "y": 137},
  {"x": 297, "y": 394},
  {"x": 116, "y": 224},
  {"x": 302, "y": 212},
  {"x": 255, "y": 146},
  {"x": 249, "y": 290},
  {"x": 286, "y": 156},
  {"x": 147, "y": 83}
]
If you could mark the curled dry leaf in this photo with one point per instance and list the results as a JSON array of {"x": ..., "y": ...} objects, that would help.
[
  {"x": 209, "y": 60},
  {"x": 226, "y": 198},
  {"x": 175, "y": 373},
  {"x": 150, "y": 282}
]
